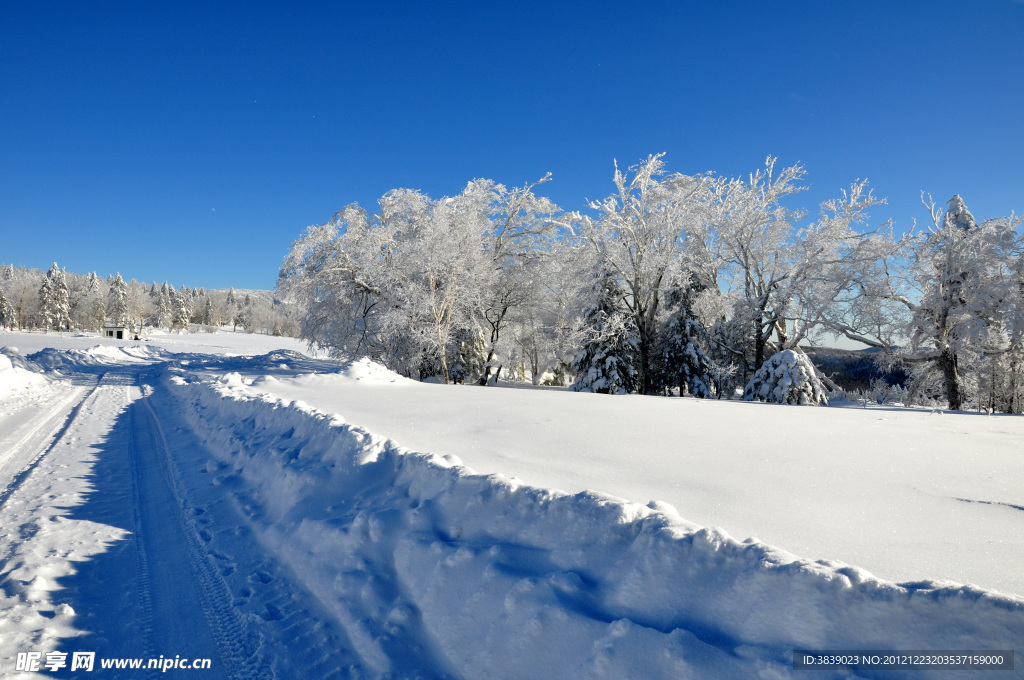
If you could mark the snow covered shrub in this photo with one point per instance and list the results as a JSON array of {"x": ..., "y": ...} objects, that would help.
[
  {"x": 786, "y": 378},
  {"x": 882, "y": 392}
]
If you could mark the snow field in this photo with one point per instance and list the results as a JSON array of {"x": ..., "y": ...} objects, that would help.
[
  {"x": 428, "y": 565},
  {"x": 907, "y": 494}
]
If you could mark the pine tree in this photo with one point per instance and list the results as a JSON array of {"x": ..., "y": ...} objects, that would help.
[
  {"x": 165, "y": 309},
  {"x": 469, "y": 356},
  {"x": 787, "y": 377},
  {"x": 117, "y": 302},
  {"x": 95, "y": 306},
  {"x": 54, "y": 303},
  {"x": 8, "y": 316},
  {"x": 682, "y": 361},
  {"x": 182, "y": 309},
  {"x": 607, "y": 362},
  {"x": 208, "y": 312}
]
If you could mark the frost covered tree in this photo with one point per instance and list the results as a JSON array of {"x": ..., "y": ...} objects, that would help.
[
  {"x": 401, "y": 286},
  {"x": 140, "y": 304},
  {"x": 942, "y": 295},
  {"x": 117, "y": 302},
  {"x": 518, "y": 239},
  {"x": 21, "y": 286},
  {"x": 93, "y": 306},
  {"x": 54, "y": 303},
  {"x": 181, "y": 305},
  {"x": 209, "y": 313},
  {"x": 165, "y": 306},
  {"x": 787, "y": 377},
  {"x": 607, "y": 362},
  {"x": 436, "y": 269},
  {"x": 783, "y": 279},
  {"x": 8, "y": 315},
  {"x": 640, "y": 237}
]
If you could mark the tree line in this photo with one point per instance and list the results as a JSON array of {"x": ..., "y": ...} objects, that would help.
[
  {"x": 57, "y": 300},
  {"x": 672, "y": 284}
]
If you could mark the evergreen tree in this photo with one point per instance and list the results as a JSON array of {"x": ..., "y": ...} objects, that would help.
[
  {"x": 165, "y": 308},
  {"x": 8, "y": 316},
  {"x": 54, "y": 303},
  {"x": 682, "y": 361},
  {"x": 208, "y": 312},
  {"x": 95, "y": 306},
  {"x": 469, "y": 358},
  {"x": 117, "y": 302},
  {"x": 182, "y": 309},
  {"x": 607, "y": 362},
  {"x": 787, "y": 377}
]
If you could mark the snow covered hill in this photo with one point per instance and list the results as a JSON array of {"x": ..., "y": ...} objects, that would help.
[{"x": 257, "y": 496}]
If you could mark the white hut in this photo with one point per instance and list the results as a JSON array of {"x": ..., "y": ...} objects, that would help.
[{"x": 115, "y": 331}]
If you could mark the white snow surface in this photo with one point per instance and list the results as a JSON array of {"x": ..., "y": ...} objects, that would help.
[
  {"x": 288, "y": 517},
  {"x": 16, "y": 381},
  {"x": 907, "y": 494}
]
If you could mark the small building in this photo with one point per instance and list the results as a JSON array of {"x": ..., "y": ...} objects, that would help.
[{"x": 115, "y": 331}]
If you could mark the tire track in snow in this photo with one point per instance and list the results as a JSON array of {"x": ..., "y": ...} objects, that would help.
[
  {"x": 40, "y": 438},
  {"x": 160, "y": 499},
  {"x": 297, "y": 634},
  {"x": 145, "y": 599}
]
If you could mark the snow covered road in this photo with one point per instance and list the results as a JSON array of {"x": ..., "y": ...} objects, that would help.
[
  {"x": 160, "y": 505},
  {"x": 103, "y": 550}
]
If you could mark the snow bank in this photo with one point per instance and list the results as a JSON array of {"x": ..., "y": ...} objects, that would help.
[
  {"x": 431, "y": 567},
  {"x": 18, "y": 377},
  {"x": 98, "y": 356},
  {"x": 366, "y": 370}
]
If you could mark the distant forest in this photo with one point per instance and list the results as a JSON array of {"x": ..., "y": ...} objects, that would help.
[{"x": 33, "y": 299}]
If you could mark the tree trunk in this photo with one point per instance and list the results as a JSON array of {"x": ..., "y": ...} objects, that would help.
[
  {"x": 951, "y": 377},
  {"x": 486, "y": 376},
  {"x": 758, "y": 349}
]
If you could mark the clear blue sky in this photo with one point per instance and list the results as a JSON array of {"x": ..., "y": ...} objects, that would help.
[{"x": 194, "y": 142}]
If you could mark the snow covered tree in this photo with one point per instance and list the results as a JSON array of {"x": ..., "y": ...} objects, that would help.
[
  {"x": 682, "y": 361},
  {"x": 181, "y": 314},
  {"x": 968, "y": 284},
  {"x": 209, "y": 313},
  {"x": 8, "y": 315},
  {"x": 787, "y": 377},
  {"x": 469, "y": 356},
  {"x": 117, "y": 302},
  {"x": 93, "y": 306},
  {"x": 518, "y": 239},
  {"x": 165, "y": 307},
  {"x": 607, "y": 362},
  {"x": 140, "y": 304},
  {"x": 951, "y": 292},
  {"x": 787, "y": 277},
  {"x": 54, "y": 305},
  {"x": 398, "y": 286},
  {"x": 640, "y": 237}
]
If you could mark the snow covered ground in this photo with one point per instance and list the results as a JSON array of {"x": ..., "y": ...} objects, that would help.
[{"x": 207, "y": 496}]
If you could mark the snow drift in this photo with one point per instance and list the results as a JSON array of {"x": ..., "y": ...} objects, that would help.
[
  {"x": 436, "y": 570},
  {"x": 99, "y": 356},
  {"x": 19, "y": 378}
]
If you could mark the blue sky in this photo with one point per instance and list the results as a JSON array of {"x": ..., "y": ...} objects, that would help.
[{"x": 193, "y": 142}]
